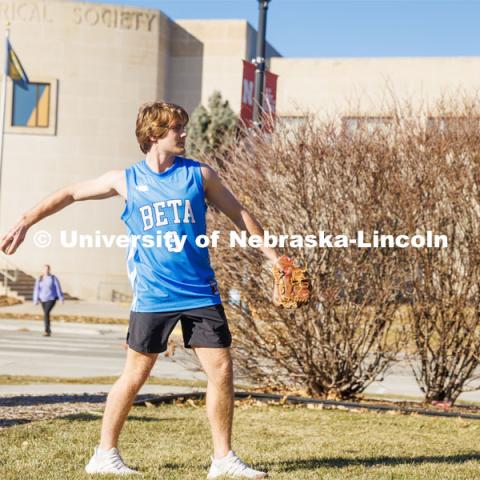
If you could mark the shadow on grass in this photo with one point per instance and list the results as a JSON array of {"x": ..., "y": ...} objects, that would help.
[
  {"x": 11, "y": 422},
  {"x": 83, "y": 417},
  {"x": 26, "y": 400},
  {"x": 87, "y": 417},
  {"x": 339, "y": 462},
  {"x": 183, "y": 466}
]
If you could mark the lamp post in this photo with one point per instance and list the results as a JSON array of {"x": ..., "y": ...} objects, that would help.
[{"x": 260, "y": 62}]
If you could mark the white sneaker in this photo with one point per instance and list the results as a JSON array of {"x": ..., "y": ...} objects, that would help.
[
  {"x": 108, "y": 461},
  {"x": 232, "y": 466}
]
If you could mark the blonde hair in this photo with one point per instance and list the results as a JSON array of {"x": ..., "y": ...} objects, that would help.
[{"x": 154, "y": 119}]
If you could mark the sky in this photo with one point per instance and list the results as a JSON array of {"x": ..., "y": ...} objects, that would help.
[{"x": 346, "y": 28}]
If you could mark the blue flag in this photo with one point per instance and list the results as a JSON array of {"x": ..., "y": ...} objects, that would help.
[{"x": 14, "y": 68}]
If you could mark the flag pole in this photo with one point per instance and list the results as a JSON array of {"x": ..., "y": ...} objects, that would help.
[{"x": 3, "y": 106}]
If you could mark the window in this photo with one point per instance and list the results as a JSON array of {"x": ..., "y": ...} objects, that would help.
[
  {"x": 292, "y": 121},
  {"x": 370, "y": 124},
  {"x": 451, "y": 124},
  {"x": 32, "y": 107},
  {"x": 31, "y": 104}
]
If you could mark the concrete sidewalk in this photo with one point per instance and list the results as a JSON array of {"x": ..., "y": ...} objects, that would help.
[
  {"x": 95, "y": 349},
  {"x": 76, "y": 308},
  {"x": 79, "y": 350}
]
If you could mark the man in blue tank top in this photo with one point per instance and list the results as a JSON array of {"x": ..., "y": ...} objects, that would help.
[{"x": 164, "y": 196}]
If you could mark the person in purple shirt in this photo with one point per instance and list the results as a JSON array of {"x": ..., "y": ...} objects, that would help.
[{"x": 47, "y": 291}]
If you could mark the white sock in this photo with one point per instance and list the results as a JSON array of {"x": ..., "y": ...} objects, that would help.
[
  {"x": 100, "y": 451},
  {"x": 220, "y": 460}
]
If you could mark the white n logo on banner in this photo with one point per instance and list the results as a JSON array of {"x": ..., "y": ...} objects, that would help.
[{"x": 247, "y": 92}]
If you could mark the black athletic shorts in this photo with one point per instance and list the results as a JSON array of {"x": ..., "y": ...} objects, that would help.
[{"x": 148, "y": 332}]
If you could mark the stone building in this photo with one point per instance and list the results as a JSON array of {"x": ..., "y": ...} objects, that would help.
[{"x": 90, "y": 66}]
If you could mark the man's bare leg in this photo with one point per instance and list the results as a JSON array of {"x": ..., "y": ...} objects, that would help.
[
  {"x": 119, "y": 401},
  {"x": 217, "y": 363}
]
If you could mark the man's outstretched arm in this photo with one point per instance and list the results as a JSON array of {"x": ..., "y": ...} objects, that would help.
[
  {"x": 108, "y": 185},
  {"x": 226, "y": 202}
]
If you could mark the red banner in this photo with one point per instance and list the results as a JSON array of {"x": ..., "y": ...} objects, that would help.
[
  {"x": 248, "y": 96},
  {"x": 248, "y": 93},
  {"x": 269, "y": 101}
]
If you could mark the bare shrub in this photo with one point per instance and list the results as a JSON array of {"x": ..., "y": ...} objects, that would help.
[
  {"x": 416, "y": 173},
  {"x": 444, "y": 318},
  {"x": 297, "y": 183}
]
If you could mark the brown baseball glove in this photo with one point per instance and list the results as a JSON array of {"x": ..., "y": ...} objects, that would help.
[{"x": 292, "y": 284}]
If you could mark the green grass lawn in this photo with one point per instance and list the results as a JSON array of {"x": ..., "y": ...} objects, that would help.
[{"x": 173, "y": 442}]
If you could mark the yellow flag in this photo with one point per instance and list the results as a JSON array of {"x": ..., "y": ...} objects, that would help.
[{"x": 15, "y": 70}]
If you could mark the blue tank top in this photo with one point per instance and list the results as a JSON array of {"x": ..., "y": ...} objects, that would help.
[{"x": 163, "y": 210}]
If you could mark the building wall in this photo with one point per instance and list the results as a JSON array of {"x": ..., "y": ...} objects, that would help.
[
  {"x": 368, "y": 86},
  {"x": 107, "y": 60},
  {"x": 220, "y": 46},
  {"x": 206, "y": 55},
  {"x": 185, "y": 69}
]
